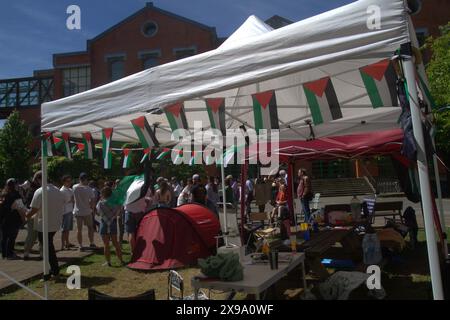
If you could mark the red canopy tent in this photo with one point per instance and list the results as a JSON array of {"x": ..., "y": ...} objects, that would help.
[{"x": 339, "y": 147}]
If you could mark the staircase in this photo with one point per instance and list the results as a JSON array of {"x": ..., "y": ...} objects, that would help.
[{"x": 342, "y": 187}]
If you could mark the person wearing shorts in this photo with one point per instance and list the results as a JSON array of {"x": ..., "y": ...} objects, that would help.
[
  {"x": 67, "y": 219},
  {"x": 134, "y": 212},
  {"x": 83, "y": 210},
  {"x": 108, "y": 225}
]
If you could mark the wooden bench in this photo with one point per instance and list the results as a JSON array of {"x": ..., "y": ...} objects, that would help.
[{"x": 388, "y": 209}]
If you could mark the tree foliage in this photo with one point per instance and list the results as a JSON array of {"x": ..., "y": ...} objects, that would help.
[
  {"x": 438, "y": 69},
  {"x": 15, "y": 151}
]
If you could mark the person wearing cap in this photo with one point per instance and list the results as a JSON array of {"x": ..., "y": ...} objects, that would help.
[
  {"x": 10, "y": 219},
  {"x": 198, "y": 191},
  {"x": 55, "y": 211},
  {"x": 85, "y": 201}
]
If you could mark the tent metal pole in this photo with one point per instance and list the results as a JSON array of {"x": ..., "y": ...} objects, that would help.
[
  {"x": 224, "y": 202},
  {"x": 438, "y": 189},
  {"x": 44, "y": 212},
  {"x": 422, "y": 166}
]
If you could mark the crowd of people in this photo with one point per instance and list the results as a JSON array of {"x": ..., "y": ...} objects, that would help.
[{"x": 21, "y": 204}]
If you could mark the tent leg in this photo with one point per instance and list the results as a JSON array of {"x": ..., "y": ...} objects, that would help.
[
  {"x": 225, "y": 219},
  {"x": 439, "y": 190},
  {"x": 440, "y": 203},
  {"x": 45, "y": 221},
  {"x": 433, "y": 256},
  {"x": 243, "y": 179}
]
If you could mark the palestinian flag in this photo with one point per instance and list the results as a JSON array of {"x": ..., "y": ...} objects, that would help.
[
  {"x": 265, "y": 110},
  {"x": 106, "y": 146},
  {"x": 216, "y": 113},
  {"x": 165, "y": 153},
  {"x": 126, "y": 158},
  {"x": 88, "y": 145},
  {"x": 57, "y": 142},
  {"x": 228, "y": 156},
  {"x": 47, "y": 144},
  {"x": 176, "y": 116},
  {"x": 196, "y": 158},
  {"x": 322, "y": 100},
  {"x": 144, "y": 132},
  {"x": 380, "y": 81},
  {"x": 146, "y": 155},
  {"x": 177, "y": 156},
  {"x": 79, "y": 147},
  {"x": 66, "y": 139}
]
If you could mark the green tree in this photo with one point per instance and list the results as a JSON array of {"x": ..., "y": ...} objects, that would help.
[
  {"x": 15, "y": 151},
  {"x": 438, "y": 70}
]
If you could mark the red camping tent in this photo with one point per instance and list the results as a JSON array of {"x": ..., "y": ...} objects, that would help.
[{"x": 172, "y": 238}]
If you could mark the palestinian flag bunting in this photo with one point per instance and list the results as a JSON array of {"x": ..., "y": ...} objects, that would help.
[
  {"x": 106, "y": 147},
  {"x": 88, "y": 143},
  {"x": 322, "y": 100},
  {"x": 126, "y": 158},
  {"x": 66, "y": 139},
  {"x": 146, "y": 155},
  {"x": 380, "y": 81},
  {"x": 47, "y": 144},
  {"x": 216, "y": 113},
  {"x": 176, "y": 116},
  {"x": 265, "y": 110},
  {"x": 164, "y": 154},
  {"x": 144, "y": 132}
]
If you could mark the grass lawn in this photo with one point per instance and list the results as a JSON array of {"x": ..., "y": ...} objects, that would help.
[
  {"x": 405, "y": 277},
  {"x": 115, "y": 280}
]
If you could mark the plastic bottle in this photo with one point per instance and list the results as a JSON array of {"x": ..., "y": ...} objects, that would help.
[
  {"x": 266, "y": 247},
  {"x": 371, "y": 249}
]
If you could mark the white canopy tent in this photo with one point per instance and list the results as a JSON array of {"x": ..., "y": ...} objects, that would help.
[
  {"x": 255, "y": 59},
  {"x": 335, "y": 44}
]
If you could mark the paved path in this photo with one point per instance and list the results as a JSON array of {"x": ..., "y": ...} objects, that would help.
[{"x": 31, "y": 269}]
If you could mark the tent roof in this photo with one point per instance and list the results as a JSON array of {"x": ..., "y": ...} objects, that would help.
[
  {"x": 333, "y": 44},
  {"x": 344, "y": 147}
]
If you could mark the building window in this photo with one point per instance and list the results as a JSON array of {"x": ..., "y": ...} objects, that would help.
[
  {"x": 2, "y": 123},
  {"x": 116, "y": 68},
  {"x": 76, "y": 80},
  {"x": 149, "y": 29},
  {"x": 181, "y": 53},
  {"x": 422, "y": 35},
  {"x": 149, "y": 59}
]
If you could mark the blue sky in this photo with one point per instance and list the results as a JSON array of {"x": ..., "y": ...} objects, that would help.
[{"x": 32, "y": 30}]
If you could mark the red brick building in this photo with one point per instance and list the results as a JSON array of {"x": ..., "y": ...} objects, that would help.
[{"x": 149, "y": 37}]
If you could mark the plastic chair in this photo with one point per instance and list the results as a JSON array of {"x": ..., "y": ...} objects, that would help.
[
  {"x": 176, "y": 282},
  {"x": 96, "y": 295}
]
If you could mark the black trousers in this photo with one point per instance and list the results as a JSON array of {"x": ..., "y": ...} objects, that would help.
[
  {"x": 9, "y": 235},
  {"x": 53, "y": 260}
]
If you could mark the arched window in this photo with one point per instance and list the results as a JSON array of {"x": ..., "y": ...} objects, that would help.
[{"x": 116, "y": 69}]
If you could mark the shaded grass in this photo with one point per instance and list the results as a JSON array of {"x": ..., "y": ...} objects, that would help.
[{"x": 115, "y": 281}]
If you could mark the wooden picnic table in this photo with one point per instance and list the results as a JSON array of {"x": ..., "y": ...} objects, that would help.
[{"x": 316, "y": 248}]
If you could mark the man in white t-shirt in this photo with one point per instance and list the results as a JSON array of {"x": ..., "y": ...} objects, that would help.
[
  {"x": 84, "y": 209},
  {"x": 55, "y": 202},
  {"x": 67, "y": 221}
]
